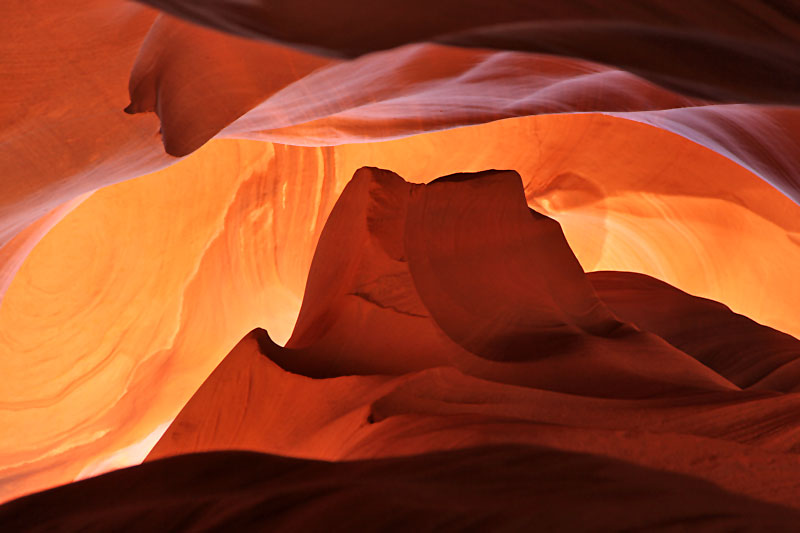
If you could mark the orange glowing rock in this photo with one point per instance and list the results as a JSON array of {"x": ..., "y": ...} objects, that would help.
[
  {"x": 664, "y": 139},
  {"x": 378, "y": 356},
  {"x": 380, "y": 377},
  {"x": 255, "y": 204}
]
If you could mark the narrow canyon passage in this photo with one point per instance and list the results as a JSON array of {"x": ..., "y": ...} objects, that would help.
[{"x": 297, "y": 236}]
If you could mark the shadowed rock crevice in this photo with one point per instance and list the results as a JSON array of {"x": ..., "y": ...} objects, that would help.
[{"x": 506, "y": 488}]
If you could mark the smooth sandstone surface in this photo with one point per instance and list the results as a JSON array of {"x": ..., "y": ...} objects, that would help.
[
  {"x": 504, "y": 488},
  {"x": 164, "y": 188},
  {"x": 239, "y": 260},
  {"x": 587, "y": 409},
  {"x": 379, "y": 364}
]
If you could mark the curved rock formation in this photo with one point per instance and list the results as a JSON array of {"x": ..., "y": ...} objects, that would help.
[
  {"x": 384, "y": 376},
  {"x": 748, "y": 40},
  {"x": 662, "y": 138},
  {"x": 747, "y": 353},
  {"x": 505, "y": 488},
  {"x": 246, "y": 218},
  {"x": 382, "y": 361}
]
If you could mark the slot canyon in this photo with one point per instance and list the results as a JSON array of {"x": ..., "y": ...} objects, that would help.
[{"x": 293, "y": 265}]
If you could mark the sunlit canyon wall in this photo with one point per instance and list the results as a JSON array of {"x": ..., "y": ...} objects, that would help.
[{"x": 166, "y": 180}]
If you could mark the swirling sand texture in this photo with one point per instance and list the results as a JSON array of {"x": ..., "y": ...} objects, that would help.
[{"x": 621, "y": 300}]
